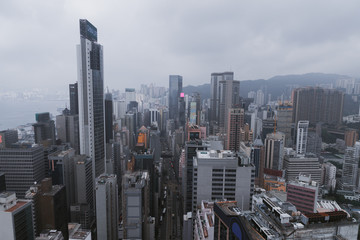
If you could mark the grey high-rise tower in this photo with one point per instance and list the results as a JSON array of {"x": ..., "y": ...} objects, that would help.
[
  {"x": 91, "y": 97},
  {"x": 175, "y": 88},
  {"x": 225, "y": 92}
]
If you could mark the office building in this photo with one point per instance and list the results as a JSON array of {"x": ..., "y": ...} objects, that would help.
[
  {"x": 74, "y": 99},
  {"x": 23, "y": 165},
  {"x": 351, "y": 136},
  {"x": 274, "y": 150},
  {"x": 257, "y": 157},
  {"x": 109, "y": 132},
  {"x": 223, "y": 175},
  {"x": 317, "y": 104},
  {"x": 107, "y": 213},
  {"x": 175, "y": 88},
  {"x": 246, "y": 134},
  {"x": 7, "y": 138},
  {"x": 135, "y": 204},
  {"x": 180, "y": 120},
  {"x": 190, "y": 152},
  {"x": 81, "y": 211},
  {"x": 301, "y": 137},
  {"x": 228, "y": 97},
  {"x": 216, "y": 94},
  {"x": 67, "y": 128},
  {"x": 308, "y": 164},
  {"x": 194, "y": 109},
  {"x": 350, "y": 170},
  {"x": 16, "y": 218},
  {"x": 130, "y": 96},
  {"x": 260, "y": 97},
  {"x": 62, "y": 171},
  {"x": 235, "y": 123},
  {"x": 313, "y": 143},
  {"x": 91, "y": 97},
  {"x": 44, "y": 129},
  {"x": 154, "y": 117},
  {"x": 50, "y": 207},
  {"x": 329, "y": 176},
  {"x": 120, "y": 109},
  {"x": 284, "y": 122},
  {"x": 303, "y": 193}
]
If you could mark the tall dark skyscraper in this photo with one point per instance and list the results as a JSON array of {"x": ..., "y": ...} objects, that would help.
[
  {"x": 108, "y": 117},
  {"x": 317, "y": 105},
  {"x": 175, "y": 88},
  {"x": 91, "y": 97},
  {"x": 74, "y": 99}
]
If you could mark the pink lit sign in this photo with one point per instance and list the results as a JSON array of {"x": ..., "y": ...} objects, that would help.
[{"x": 182, "y": 94}]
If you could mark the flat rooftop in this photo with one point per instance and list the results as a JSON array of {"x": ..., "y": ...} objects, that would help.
[{"x": 18, "y": 205}]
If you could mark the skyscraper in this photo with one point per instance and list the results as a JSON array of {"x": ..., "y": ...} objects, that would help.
[
  {"x": 107, "y": 215},
  {"x": 74, "y": 99},
  {"x": 317, "y": 105},
  {"x": 301, "y": 137},
  {"x": 175, "y": 88},
  {"x": 135, "y": 204},
  {"x": 67, "y": 127},
  {"x": 225, "y": 92},
  {"x": 91, "y": 97},
  {"x": 49, "y": 206},
  {"x": 109, "y": 117},
  {"x": 274, "y": 150},
  {"x": 350, "y": 169},
  {"x": 235, "y": 123}
]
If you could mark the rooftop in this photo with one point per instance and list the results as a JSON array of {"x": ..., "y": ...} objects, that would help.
[{"x": 18, "y": 205}]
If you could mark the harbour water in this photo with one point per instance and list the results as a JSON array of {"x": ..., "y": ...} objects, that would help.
[{"x": 15, "y": 113}]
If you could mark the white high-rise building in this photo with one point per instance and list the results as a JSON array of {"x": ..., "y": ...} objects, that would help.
[
  {"x": 91, "y": 97},
  {"x": 301, "y": 137},
  {"x": 329, "y": 172},
  {"x": 260, "y": 98},
  {"x": 221, "y": 175},
  {"x": 350, "y": 169}
]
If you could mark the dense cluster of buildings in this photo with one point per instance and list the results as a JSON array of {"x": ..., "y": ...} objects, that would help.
[{"x": 163, "y": 164}]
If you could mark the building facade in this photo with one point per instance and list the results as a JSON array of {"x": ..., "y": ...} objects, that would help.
[{"x": 91, "y": 97}]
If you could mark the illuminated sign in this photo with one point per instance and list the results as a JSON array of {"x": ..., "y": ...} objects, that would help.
[{"x": 182, "y": 94}]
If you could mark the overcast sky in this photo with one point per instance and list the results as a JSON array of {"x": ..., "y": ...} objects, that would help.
[{"x": 146, "y": 40}]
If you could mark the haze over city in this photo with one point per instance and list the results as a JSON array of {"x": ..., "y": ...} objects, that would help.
[
  {"x": 161, "y": 120},
  {"x": 145, "y": 41}
]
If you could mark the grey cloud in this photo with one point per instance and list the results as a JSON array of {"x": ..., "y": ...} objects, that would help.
[{"x": 145, "y": 41}]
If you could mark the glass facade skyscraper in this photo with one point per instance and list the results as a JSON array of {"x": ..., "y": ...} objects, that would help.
[
  {"x": 175, "y": 88},
  {"x": 91, "y": 97}
]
